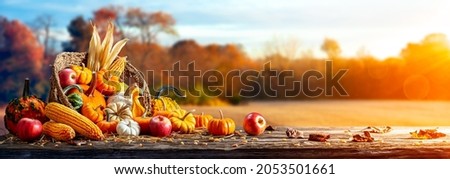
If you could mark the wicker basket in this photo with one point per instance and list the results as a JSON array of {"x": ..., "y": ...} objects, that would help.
[{"x": 65, "y": 59}]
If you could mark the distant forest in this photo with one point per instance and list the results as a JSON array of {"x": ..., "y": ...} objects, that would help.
[{"x": 419, "y": 72}]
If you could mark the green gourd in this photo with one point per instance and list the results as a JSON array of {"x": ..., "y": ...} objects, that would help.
[{"x": 76, "y": 100}]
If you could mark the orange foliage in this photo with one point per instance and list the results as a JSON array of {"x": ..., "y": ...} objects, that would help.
[{"x": 21, "y": 56}]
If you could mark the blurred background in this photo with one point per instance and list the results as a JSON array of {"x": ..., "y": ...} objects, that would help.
[{"x": 392, "y": 50}]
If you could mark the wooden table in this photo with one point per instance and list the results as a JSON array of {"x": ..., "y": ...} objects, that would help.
[{"x": 274, "y": 144}]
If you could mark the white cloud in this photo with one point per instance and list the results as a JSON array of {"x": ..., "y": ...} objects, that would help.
[{"x": 382, "y": 27}]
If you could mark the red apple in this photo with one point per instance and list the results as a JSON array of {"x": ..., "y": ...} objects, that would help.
[
  {"x": 254, "y": 123},
  {"x": 160, "y": 126},
  {"x": 67, "y": 77},
  {"x": 29, "y": 129}
]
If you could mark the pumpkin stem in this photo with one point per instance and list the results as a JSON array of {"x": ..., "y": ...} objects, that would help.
[
  {"x": 91, "y": 89},
  {"x": 82, "y": 66},
  {"x": 107, "y": 116},
  {"x": 221, "y": 113},
  {"x": 68, "y": 88},
  {"x": 186, "y": 115},
  {"x": 99, "y": 106},
  {"x": 26, "y": 88}
]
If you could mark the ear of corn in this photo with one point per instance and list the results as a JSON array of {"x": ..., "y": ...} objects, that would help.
[
  {"x": 118, "y": 66},
  {"x": 58, "y": 131},
  {"x": 72, "y": 118},
  {"x": 102, "y": 53}
]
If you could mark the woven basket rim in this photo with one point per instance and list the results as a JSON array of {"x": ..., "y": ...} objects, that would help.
[{"x": 65, "y": 59}]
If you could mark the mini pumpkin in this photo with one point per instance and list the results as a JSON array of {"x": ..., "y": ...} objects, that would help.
[
  {"x": 221, "y": 126},
  {"x": 183, "y": 122},
  {"x": 91, "y": 95},
  {"x": 107, "y": 85},
  {"x": 83, "y": 74},
  {"x": 94, "y": 113},
  {"x": 118, "y": 111},
  {"x": 202, "y": 120},
  {"x": 28, "y": 106},
  {"x": 107, "y": 126},
  {"x": 144, "y": 123},
  {"x": 128, "y": 127},
  {"x": 120, "y": 97}
]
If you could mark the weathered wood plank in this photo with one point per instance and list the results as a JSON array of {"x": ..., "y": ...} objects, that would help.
[{"x": 395, "y": 144}]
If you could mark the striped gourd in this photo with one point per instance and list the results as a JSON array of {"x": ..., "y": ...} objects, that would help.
[
  {"x": 72, "y": 118},
  {"x": 118, "y": 66},
  {"x": 58, "y": 131},
  {"x": 163, "y": 103}
]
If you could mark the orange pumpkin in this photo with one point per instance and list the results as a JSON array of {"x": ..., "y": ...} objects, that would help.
[
  {"x": 95, "y": 114},
  {"x": 84, "y": 75},
  {"x": 144, "y": 124},
  {"x": 91, "y": 95},
  {"x": 222, "y": 126},
  {"x": 108, "y": 126},
  {"x": 107, "y": 85},
  {"x": 183, "y": 122},
  {"x": 202, "y": 120}
]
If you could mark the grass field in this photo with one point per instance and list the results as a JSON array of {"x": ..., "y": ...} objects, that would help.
[{"x": 335, "y": 113}]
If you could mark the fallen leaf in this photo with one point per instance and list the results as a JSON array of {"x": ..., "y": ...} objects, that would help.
[
  {"x": 294, "y": 133},
  {"x": 363, "y": 138},
  {"x": 381, "y": 130},
  {"x": 427, "y": 134},
  {"x": 270, "y": 128},
  {"x": 319, "y": 137}
]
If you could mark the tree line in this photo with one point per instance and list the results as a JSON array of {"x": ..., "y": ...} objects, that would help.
[{"x": 419, "y": 72}]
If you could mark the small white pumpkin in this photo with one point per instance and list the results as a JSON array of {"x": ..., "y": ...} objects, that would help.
[
  {"x": 128, "y": 127},
  {"x": 119, "y": 97},
  {"x": 118, "y": 111}
]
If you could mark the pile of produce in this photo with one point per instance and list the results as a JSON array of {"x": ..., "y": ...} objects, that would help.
[{"x": 102, "y": 104}]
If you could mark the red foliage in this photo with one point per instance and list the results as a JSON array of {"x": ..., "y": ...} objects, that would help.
[
  {"x": 21, "y": 56},
  {"x": 22, "y": 46}
]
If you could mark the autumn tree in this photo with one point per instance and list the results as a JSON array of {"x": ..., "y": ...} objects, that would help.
[
  {"x": 41, "y": 27},
  {"x": 428, "y": 60},
  {"x": 331, "y": 47},
  {"x": 149, "y": 24},
  {"x": 433, "y": 48},
  {"x": 105, "y": 15},
  {"x": 21, "y": 56},
  {"x": 80, "y": 32},
  {"x": 288, "y": 47}
]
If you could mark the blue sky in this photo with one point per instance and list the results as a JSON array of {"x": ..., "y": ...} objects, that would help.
[{"x": 381, "y": 27}]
